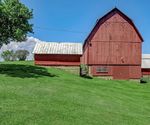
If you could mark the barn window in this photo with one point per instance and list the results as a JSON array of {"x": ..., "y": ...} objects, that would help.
[{"x": 102, "y": 69}]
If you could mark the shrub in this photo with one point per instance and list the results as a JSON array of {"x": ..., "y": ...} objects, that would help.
[
  {"x": 145, "y": 80},
  {"x": 22, "y": 54},
  {"x": 84, "y": 71},
  {"x": 8, "y": 55}
]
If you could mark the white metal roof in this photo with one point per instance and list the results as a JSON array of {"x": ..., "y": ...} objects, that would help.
[
  {"x": 57, "y": 48},
  {"x": 145, "y": 60}
]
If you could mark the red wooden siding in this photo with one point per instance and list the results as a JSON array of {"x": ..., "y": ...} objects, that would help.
[
  {"x": 135, "y": 72},
  {"x": 146, "y": 72},
  {"x": 95, "y": 73},
  {"x": 84, "y": 58},
  {"x": 114, "y": 53},
  {"x": 121, "y": 72},
  {"x": 118, "y": 72},
  {"x": 117, "y": 29},
  {"x": 114, "y": 42},
  {"x": 57, "y": 60}
]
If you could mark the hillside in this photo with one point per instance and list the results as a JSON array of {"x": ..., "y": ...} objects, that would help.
[{"x": 32, "y": 95}]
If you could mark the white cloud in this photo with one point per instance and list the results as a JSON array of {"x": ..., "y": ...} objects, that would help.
[{"x": 25, "y": 45}]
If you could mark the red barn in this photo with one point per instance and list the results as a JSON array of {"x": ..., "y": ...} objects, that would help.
[
  {"x": 57, "y": 54},
  {"x": 146, "y": 65},
  {"x": 114, "y": 47}
]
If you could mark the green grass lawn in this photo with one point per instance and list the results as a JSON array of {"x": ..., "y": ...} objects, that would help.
[{"x": 31, "y": 95}]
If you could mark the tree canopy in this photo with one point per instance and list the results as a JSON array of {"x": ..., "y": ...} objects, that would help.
[
  {"x": 8, "y": 55},
  {"x": 14, "y": 21},
  {"x": 22, "y": 54}
]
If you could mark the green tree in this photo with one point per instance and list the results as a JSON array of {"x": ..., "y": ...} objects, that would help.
[
  {"x": 8, "y": 55},
  {"x": 14, "y": 21},
  {"x": 22, "y": 54}
]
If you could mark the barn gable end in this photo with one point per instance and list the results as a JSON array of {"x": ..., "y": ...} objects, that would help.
[{"x": 114, "y": 16}]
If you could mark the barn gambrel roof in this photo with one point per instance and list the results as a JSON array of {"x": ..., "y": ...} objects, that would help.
[
  {"x": 58, "y": 48},
  {"x": 107, "y": 16}
]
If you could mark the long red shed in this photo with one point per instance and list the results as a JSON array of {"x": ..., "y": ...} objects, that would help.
[
  {"x": 57, "y": 54},
  {"x": 114, "y": 47}
]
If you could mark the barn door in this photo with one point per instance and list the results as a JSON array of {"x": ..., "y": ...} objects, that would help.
[{"x": 121, "y": 72}]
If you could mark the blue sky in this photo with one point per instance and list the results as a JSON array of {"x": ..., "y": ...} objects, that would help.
[{"x": 72, "y": 20}]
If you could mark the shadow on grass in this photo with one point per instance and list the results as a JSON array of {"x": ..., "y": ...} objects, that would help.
[
  {"x": 24, "y": 71},
  {"x": 87, "y": 77}
]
